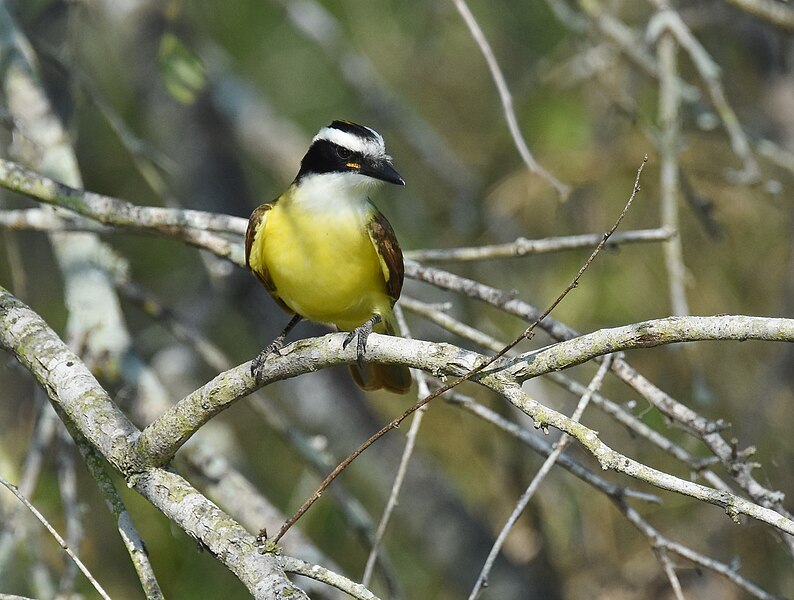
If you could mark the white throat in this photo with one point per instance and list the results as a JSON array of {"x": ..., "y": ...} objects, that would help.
[{"x": 333, "y": 192}]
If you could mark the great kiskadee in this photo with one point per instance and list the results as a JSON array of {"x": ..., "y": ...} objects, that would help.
[{"x": 325, "y": 253}]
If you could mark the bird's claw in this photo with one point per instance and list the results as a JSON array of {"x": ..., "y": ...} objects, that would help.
[
  {"x": 259, "y": 362},
  {"x": 362, "y": 331},
  {"x": 350, "y": 336}
]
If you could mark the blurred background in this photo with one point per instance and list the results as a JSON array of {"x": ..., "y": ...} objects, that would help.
[{"x": 211, "y": 106}]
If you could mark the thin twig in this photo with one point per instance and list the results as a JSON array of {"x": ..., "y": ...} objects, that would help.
[
  {"x": 698, "y": 464},
  {"x": 290, "y": 564},
  {"x": 41, "y": 439},
  {"x": 471, "y": 373},
  {"x": 541, "y": 446},
  {"x": 669, "y": 101},
  {"x": 522, "y": 246},
  {"x": 523, "y": 501},
  {"x": 13, "y": 489},
  {"x": 67, "y": 485},
  {"x": 124, "y": 524},
  {"x": 668, "y": 19},
  {"x": 740, "y": 469},
  {"x": 575, "y": 281},
  {"x": 616, "y": 411},
  {"x": 777, "y": 13},
  {"x": 657, "y": 540},
  {"x": 629, "y": 42},
  {"x": 402, "y": 469},
  {"x": 669, "y": 571},
  {"x": 507, "y": 101},
  {"x": 617, "y": 494},
  {"x": 109, "y": 210},
  {"x": 36, "y": 219}
]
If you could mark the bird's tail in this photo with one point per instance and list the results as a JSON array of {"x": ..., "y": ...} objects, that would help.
[{"x": 371, "y": 376}]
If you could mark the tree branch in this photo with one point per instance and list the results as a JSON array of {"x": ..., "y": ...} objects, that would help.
[
  {"x": 777, "y": 13},
  {"x": 112, "y": 211},
  {"x": 507, "y": 101},
  {"x": 13, "y": 489},
  {"x": 75, "y": 393},
  {"x": 161, "y": 439},
  {"x": 523, "y": 246}
]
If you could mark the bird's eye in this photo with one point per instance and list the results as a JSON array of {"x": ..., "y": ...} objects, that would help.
[{"x": 343, "y": 153}]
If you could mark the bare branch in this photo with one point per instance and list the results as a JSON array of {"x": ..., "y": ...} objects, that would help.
[
  {"x": 34, "y": 219},
  {"x": 776, "y": 13},
  {"x": 112, "y": 211},
  {"x": 629, "y": 42},
  {"x": 124, "y": 523},
  {"x": 669, "y": 571},
  {"x": 359, "y": 591},
  {"x": 619, "y": 413},
  {"x": 648, "y": 334},
  {"x": 617, "y": 494},
  {"x": 507, "y": 101},
  {"x": 669, "y": 100},
  {"x": 704, "y": 429},
  {"x": 523, "y": 501},
  {"x": 13, "y": 489},
  {"x": 402, "y": 469},
  {"x": 163, "y": 437},
  {"x": 544, "y": 448},
  {"x": 79, "y": 398},
  {"x": 523, "y": 246},
  {"x": 669, "y": 20},
  {"x": 659, "y": 541}
]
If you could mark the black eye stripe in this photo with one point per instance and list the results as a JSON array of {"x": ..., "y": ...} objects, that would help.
[{"x": 326, "y": 157}]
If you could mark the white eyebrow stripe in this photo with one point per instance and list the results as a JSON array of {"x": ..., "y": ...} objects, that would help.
[{"x": 374, "y": 148}]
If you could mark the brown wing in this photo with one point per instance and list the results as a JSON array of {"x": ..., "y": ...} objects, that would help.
[
  {"x": 257, "y": 217},
  {"x": 255, "y": 222},
  {"x": 389, "y": 253}
]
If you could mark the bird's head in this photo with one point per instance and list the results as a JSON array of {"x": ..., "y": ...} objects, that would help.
[{"x": 353, "y": 152}]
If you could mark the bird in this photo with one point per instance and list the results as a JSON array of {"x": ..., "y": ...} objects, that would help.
[{"x": 327, "y": 254}]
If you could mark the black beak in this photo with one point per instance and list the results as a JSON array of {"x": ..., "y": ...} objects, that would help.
[{"x": 382, "y": 170}]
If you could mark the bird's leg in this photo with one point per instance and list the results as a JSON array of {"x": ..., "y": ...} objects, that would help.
[
  {"x": 362, "y": 331},
  {"x": 273, "y": 347}
]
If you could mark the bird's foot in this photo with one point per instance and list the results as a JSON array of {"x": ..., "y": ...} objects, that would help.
[
  {"x": 273, "y": 348},
  {"x": 362, "y": 331},
  {"x": 259, "y": 362}
]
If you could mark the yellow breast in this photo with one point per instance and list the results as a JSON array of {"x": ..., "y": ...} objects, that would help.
[{"x": 323, "y": 263}]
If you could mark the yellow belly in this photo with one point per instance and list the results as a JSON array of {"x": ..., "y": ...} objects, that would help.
[{"x": 324, "y": 266}]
